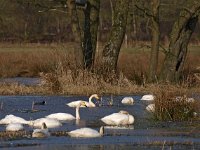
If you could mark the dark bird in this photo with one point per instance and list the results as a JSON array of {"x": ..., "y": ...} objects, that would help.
[{"x": 40, "y": 103}]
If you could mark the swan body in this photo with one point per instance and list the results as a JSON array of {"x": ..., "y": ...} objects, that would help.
[
  {"x": 148, "y": 97},
  {"x": 61, "y": 116},
  {"x": 151, "y": 108},
  {"x": 50, "y": 123},
  {"x": 88, "y": 104},
  {"x": 86, "y": 133},
  {"x": 13, "y": 119},
  {"x": 14, "y": 127},
  {"x": 127, "y": 100},
  {"x": 66, "y": 116},
  {"x": 41, "y": 133},
  {"x": 120, "y": 118}
]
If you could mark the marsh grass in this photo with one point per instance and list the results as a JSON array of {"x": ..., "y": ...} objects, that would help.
[{"x": 175, "y": 105}]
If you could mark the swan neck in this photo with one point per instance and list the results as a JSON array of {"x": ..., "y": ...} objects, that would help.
[
  {"x": 77, "y": 113},
  {"x": 90, "y": 98},
  {"x": 101, "y": 131}
]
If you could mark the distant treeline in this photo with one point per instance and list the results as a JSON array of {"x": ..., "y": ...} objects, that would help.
[{"x": 46, "y": 21}]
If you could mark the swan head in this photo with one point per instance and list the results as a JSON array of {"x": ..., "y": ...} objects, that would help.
[
  {"x": 101, "y": 130},
  {"x": 94, "y": 96},
  {"x": 44, "y": 126},
  {"x": 83, "y": 104}
]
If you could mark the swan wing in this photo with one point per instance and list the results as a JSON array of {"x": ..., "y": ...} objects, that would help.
[
  {"x": 77, "y": 103},
  {"x": 148, "y": 97},
  {"x": 14, "y": 127},
  {"x": 61, "y": 116},
  {"x": 127, "y": 100},
  {"x": 51, "y": 123},
  {"x": 116, "y": 119},
  {"x": 84, "y": 132}
]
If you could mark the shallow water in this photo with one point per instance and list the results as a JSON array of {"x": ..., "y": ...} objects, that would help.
[{"x": 144, "y": 133}]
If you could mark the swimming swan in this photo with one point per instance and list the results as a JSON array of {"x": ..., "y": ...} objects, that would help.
[
  {"x": 14, "y": 127},
  {"x": 50, "y": 123},
  {"x": 88, "y": 104},
  {"x": 148, "y": 97},
  {"x": 86, "y": 133},
  {"x": 41, "y": 133},
  {"x": 66, "y": 116},
  {"x": 127, "y": 100},
  {"x": 120, "y": 118},
  {"x": 151, "y": 108},
  {"x": 13, "y": 119}
]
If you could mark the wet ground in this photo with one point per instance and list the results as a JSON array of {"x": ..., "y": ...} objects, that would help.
[{"x": 144, "y": 133}]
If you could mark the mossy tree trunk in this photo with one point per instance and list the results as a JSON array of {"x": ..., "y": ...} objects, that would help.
[
  {"x": 91, "y": 31},
  {"x": 155, "y": 33},
  {"x": 112, "y": 48},
  {"x": 78, "y": 49},
  {"x": 180, "y": 36}
]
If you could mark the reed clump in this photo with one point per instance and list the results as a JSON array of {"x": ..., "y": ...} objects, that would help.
[{"x": 175, "y": 105}]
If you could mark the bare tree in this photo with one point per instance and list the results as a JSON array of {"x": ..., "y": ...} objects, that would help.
[
  {"x": 78, "y": 49},
  {"x": 90, "y": 31},
  {"x": 155, "y": 33},
  {"x": 112, "y": 48},
  {"x": 180, "y": 37}
]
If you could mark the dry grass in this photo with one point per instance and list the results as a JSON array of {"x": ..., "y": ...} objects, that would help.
[
  {"x": 56, "y": 62},
  {"x": 174, "y": 105}
]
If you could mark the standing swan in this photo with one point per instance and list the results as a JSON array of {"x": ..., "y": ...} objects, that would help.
[
  {"x": 86, "y": 133},
  {"x": 41, "y": 133},
  {"x": 88, "y": 104},
  {"x": 120, "y": 118},
  {"x": 66, "y": 116}
]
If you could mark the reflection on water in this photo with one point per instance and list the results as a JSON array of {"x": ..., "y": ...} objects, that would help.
[{"x": 144, "y": 133}]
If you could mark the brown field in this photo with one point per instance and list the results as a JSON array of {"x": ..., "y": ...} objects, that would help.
[{"x": 56, "y": 62}]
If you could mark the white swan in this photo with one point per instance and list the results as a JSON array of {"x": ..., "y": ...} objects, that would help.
[
  {"x": 148, "y": 97},
  {"x": 66, "y": 116},
  {"x": 127, "y": 100},
  {"x": 14, "y": 127},
  {"x": 50, "y": 123},
  {"x": 86, "y": 133},
  {"x": 41, "y": 133},
  {"x": 151, "y": 108},
  {"x": 120, "y": 118},
  {"x": 88, "y": 104},
  {"x": 13, "y": 119}
]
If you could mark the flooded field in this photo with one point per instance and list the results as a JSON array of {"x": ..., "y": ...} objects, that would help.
[{"x": 143, "y": 133}]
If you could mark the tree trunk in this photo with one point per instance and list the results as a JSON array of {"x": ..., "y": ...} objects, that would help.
[
  {"x": 91, "y": 31},
  {"x": 78, "y": 49},
  {"x": 180, "y": 36},
  {"x": 155, "y": 32},
  {"x": 112, "y": 48}
]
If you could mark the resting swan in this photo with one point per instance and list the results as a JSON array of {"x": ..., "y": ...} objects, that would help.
[
  {"x": 41, "y": 133},
  {"x": 13, "y": 119},
  {"x": 127, "y": 100},
  {"x": 66, "y": 116},
  {"x": 120, "y": 118},
  {"x": 148, "y": 97},
  {"x": 151, "y": 108},
  {"x": 50, "y": 123},
  {"x": 88, "y": 104},
  {"x": 86, "y": 133},
  {"x": 14, "y": 127}
]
